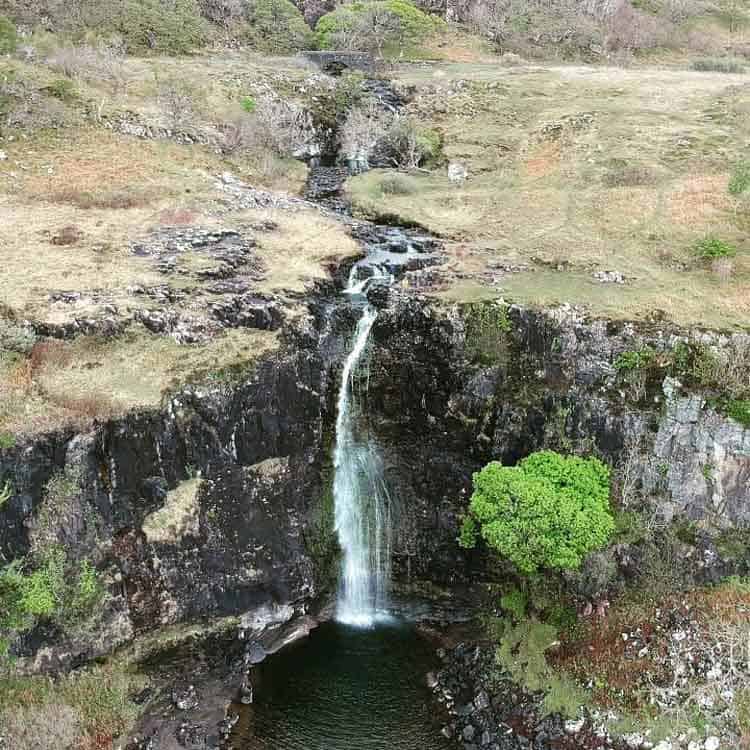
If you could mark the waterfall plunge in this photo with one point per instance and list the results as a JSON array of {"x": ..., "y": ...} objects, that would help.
[{"x": 361, "y": 501}]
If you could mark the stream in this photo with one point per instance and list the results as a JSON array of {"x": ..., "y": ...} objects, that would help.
[{"x": 358, "y": 681}]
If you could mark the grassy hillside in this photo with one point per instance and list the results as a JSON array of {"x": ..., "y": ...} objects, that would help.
[{"x": 575, "y": 170}]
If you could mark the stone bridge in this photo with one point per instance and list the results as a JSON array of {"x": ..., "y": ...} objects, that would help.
[{"x": 336, "y": 62}]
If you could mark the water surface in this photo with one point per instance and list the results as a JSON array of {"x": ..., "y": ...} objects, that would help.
[{"x": 345, "y": 688}]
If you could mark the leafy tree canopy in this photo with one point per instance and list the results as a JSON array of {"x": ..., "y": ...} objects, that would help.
[
  {"x": 549, "y": 511},
  {"x": 277, "y": 27},
  {"x": 375, "y": 25}
]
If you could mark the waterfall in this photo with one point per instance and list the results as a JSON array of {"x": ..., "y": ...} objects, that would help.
[{"x": 362, "y": 507}]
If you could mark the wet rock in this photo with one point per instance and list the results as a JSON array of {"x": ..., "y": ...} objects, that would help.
[
  {"x": 255, "y": 653},
  {"x": 191, "y": 736},
  {"x": 457, "y": 172},
  {"x": 609, "y": 277},
  {"x": 249, "y": 311},
  {"x": 185, "y": 698}
]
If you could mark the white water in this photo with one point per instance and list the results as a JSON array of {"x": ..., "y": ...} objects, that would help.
[{"x": 362, "y": 507}]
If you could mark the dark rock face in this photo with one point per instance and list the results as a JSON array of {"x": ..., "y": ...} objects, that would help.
[
  {"x": 218, "y": 503},
  {"x": 449, "y": 392},
  {"x": 200, "y": 509}
]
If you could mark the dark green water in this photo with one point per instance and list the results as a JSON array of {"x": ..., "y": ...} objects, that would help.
[{"x": 345, "y": 689}]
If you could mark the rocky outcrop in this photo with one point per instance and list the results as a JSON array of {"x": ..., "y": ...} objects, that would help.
[
  {"x": 218, "y": 503},
  {"x": 453, "y": 388},
  {"x": 213, "y": 505},
  {"x": 487, "y": 710}
]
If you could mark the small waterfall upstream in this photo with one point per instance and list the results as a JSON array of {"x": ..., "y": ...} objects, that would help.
[{"x": 362, "y": 506}]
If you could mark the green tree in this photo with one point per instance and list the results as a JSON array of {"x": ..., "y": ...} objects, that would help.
[
  {"x": 171, "y": 26},
  {"x": 277, "y": 27},
  {"x": 374, "y": 26},
  {"x": 549, "y": 511}
]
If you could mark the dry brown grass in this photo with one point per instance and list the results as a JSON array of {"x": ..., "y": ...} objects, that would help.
[
  {"x": 74, "y": 382},
  {"x": 699, "y": 201},
  {"x": 596, "y": 651},
  {"x": 584, "y": 169},
  {"x": 302, "y": 248}
]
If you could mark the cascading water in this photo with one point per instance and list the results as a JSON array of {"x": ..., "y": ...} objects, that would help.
[{"x": 362, "y": 507}]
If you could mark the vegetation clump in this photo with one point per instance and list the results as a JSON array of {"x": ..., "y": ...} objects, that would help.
[
  {"x": 487, "y": 329},
  {"x": 718, "y": 65},
  {"x": 51, "y": 590},
  {"x": 738, "y": 410},
  {"x": 174, "y": 27},
  {"x": 547, "y": 512},
  {"x": 277, "y": 27},
  {"x": 739, "y": 182},
  {"x": 377, "y": 27},
  {"x": 711, "y": 248},
  {"x": 8, "y": 36},
  {"x": 638, "y": 359}
]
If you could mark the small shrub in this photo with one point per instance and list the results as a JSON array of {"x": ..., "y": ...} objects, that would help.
[
  {"x": 514, "y": 603},
  {"x": 177, "y": 99},
  {"x": 718, "y": 65},
  {"x": 723, "y": 269},
  {"x": 549, "y": 511},
  {"x": 374, "y": 26},
  {"x": 712, "y": 247},
  {"x": 277, "y": 27},
  {"x": 409, "y": 145},
  {"x": 522, "y": 655},
  {"x": 640, "y": 359},
  {"x": 103, "y": 62},
  {"x": 362, "y": 130},
  {"x": 15, "y": 337},
  {"x": 8, "y": 36},
  {"x": 739, "y": 182},
  {"x": 7, "y": 441},
  {"x": 62, "y": 89},
  {"x": 222, "y": 12},
  {"x": 53, "y": 590},
  {"x": 6, "y": 491},
  {"x": 739, "y": 411},
  {"x": 248, "y": 104},
  {"x": 397, "y": 184},
  {"x": 622, "y": 173},
  {"x": 70, "y": 235},
  {"x": 487, "y": 332},
  {"x": 276, "y": 126}
]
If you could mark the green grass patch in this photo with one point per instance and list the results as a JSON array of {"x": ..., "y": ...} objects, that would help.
[
  {"x": 739, "y": 182},
  {"x": 488, "y": 329},
  {"x": 8, "y": 36},
  {"x": 718, "y": 65},
  {"x": 639, "y": 359},
  {"x": 522, "y": 655},
  {"x": 711, "y": 248},
  {"x": 738, "y": 410}
]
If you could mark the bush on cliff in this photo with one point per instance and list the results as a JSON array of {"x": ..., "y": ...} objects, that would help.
[
  {"x": 52, "y": 591},
  {"x": 549, "y": 511},
  {"x": 375, "y": 27}
]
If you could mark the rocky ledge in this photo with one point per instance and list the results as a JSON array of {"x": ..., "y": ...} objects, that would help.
[{"x": 488, "y": 711}]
